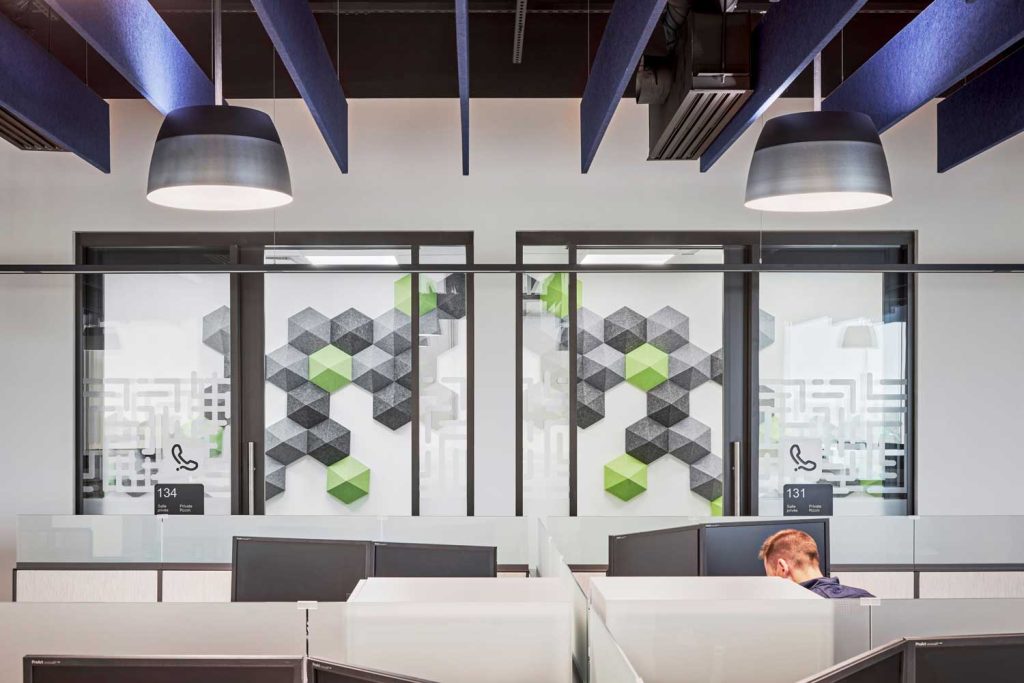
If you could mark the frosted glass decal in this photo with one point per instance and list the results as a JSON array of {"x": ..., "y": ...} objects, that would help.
[
  {"x": 156, "y": 366},
  {"x": 833, "y": 392}
]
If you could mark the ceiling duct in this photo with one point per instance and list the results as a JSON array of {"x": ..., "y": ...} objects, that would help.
[
  {"x": 696, "y": 89},
  {"x": 23, "y": 136}
]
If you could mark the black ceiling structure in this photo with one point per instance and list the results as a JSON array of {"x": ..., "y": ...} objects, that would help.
[{"x": 401, "y": 48}]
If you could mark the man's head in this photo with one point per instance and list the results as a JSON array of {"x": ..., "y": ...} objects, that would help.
[{"x": 790, "y": 554}]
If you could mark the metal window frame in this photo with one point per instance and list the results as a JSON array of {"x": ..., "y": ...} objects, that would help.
[
  {"x": 744, "y": 253},
  {"x": 246, "y": 270}
]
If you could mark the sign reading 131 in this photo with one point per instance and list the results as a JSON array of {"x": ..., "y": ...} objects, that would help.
[{"x": 807, "y": 500}]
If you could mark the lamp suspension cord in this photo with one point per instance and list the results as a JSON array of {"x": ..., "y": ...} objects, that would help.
[
  {"x": 218, "y": 63},
  {"x": 817, "y": 82}
]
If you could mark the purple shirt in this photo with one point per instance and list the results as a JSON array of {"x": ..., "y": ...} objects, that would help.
[{"x": 829, "y": 587}]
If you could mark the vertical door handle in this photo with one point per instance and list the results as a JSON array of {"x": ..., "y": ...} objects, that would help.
[
  {"x": 252, "y": 477},
  {"x": 737, "y": 478}
]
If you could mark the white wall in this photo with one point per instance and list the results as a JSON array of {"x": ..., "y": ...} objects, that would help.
[{"x": 525, "y": 176}]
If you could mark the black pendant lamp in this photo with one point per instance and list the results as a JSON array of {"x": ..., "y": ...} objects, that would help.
[
  {"x": 218, "y": 157},
  {"x": 818, "y": 161}
]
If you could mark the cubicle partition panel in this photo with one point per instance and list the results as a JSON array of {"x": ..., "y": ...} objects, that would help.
[
  {"x": 552, "y": 564},
  {"x": 86, "y": 630},
  {"x": 608, "y": 663},
  {"x": 455, "y": 642},
  {"x": 891, "y": 619}
]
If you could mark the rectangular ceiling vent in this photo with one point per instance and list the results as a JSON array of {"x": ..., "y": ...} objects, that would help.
[
  {"x": 696, "y": 89},
  {"x": 23, "y": 136}
]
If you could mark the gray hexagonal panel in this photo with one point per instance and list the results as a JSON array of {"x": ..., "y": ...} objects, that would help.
[
  {"x": 373, "y": 368},
  {"x": 285, "y": 441},
  {"x": 646, "y": 440},
  {"x": 689, "y": 366},
  {"x": 706, "y": 477},
  {"x": 392, "y": 332},
  {"x": 765, "y": 329},
  {"x": 352, "y": 331},
  {"x": 602, "y": 368},
  {"x": 308, "y": 405},
  {"x": 217, "y": 330},
  {"x": 589, "y": 405},
  {"x": 668, "y": 329},
  {"x": 718, "y": 366},
  {"x": 668, "y": 403},
  {"x": 451, "y": 297},
  {"x": 589, "y": 330},
  {"x": 625, "y": 330},
  {"x": 274, "y": 478},
  {"x": 329, "y": 442},
  {"x": 689, "y": 440},
  {"x": 287, "y": 368},
  {"x": 309, "y": 331},
  {"x": 392, "y": 406}
]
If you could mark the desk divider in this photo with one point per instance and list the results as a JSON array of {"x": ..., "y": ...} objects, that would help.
[
  {"x": 608, "y": 663},
  {"x": 551, "y": 564}
]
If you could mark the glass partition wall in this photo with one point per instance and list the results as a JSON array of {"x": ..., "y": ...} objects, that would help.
[
  {"x": 656, "y": 391},
  {"x": 656, "y": 373},
  {"x": 353, "y": 394}
]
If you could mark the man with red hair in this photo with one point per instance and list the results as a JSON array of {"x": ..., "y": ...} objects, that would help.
[{"x": 793, "y": 555}]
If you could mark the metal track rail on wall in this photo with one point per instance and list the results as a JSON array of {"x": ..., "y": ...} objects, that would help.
[{"x": 914, "y": 268}]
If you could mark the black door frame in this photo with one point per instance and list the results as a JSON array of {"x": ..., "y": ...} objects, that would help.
[
  {"x": 741, "y": 412},
  {"x": 248, "y": 334}
]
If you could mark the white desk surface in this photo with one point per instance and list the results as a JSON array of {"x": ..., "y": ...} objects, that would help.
[
  {"x": 435, "y": 590},
  {"x": 668, "y": 588}
]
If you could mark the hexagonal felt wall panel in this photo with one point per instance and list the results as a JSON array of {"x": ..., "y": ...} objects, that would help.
[
  {"x": 646, "y": 367},
  {"x": 348, "y": 480},
  {"x": 625, "y": 477},
  {"x": 330, "y": 368}
]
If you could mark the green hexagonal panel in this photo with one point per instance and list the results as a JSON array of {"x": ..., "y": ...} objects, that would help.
[
  {"x": 716, "y": 507},
  {"x": 646, "y": 367},
  {"x": 554, "y": 294},
  {"x": 625, "y": 477},
  {"x": 330, "y": 368},
  {"x": 348, "y": 480},
  {"x": 403, "y": 294}
]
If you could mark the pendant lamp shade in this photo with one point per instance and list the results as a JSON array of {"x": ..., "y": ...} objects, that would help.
[
  {"x": 219, "y": 158},
  {"x": 818, "y": 161}
]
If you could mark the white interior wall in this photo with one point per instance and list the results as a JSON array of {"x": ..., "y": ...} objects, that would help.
[{"x": 525, "y": 176}]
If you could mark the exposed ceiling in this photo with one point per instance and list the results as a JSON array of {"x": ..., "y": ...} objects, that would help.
[{"x": 406, "y": 48}]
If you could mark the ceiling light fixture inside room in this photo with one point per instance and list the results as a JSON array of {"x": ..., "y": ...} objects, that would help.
[
  {"x": 638, "y": 259},
  {"x": 818, "y": 161},
  {"x": 217, "y": 157},
  {"x": 352, "y": 259}
]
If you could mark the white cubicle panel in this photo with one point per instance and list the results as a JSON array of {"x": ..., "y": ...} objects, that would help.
[
  {"x": 584, "y": 540},
  {"x": 454, "y": 642},
  {"x": 79, "y": 539},
  {"x": 511, "y": 535},
  {"x": 146, "y": 629},
  {"x": 208, "y": 539},
  {"x": 892, "y": 619},
  {"x": 871, "y": 540},
  {"x": 886, "y": 585},
  {"x": 608, "y": 589},
  {"x": 608, "y": 663},
  {"x": 88, "y": 585},
  {"x": 671, "y": 635},
  {"x": 971, "y": 584},
  {"x": 181, "y": 585},
  {"x": 993, "y": 540},
  {"x": 439, "y": 590}
]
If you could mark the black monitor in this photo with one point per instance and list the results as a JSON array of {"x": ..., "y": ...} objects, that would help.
[
  {"x": 730, "y": 549},
  {"x": 417, "y": 559},
  {"x": 992, "y": 659},
  {"x": 60, "y": 669},
  {"x": 319, "y": 671},
  {"x": 886, "y": 664},
  {"x": 664, "y": 552},
  {"x": 293, "y": 569}
]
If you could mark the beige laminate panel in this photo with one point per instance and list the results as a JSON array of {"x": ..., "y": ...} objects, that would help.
[
  {"x": 972, "y": 585},
  {"x": 196, "y": 586},
  {"x": 158, "y": 629},
  {"x": 888, "y": 585},
  {"x": 49, "y": 585}
]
